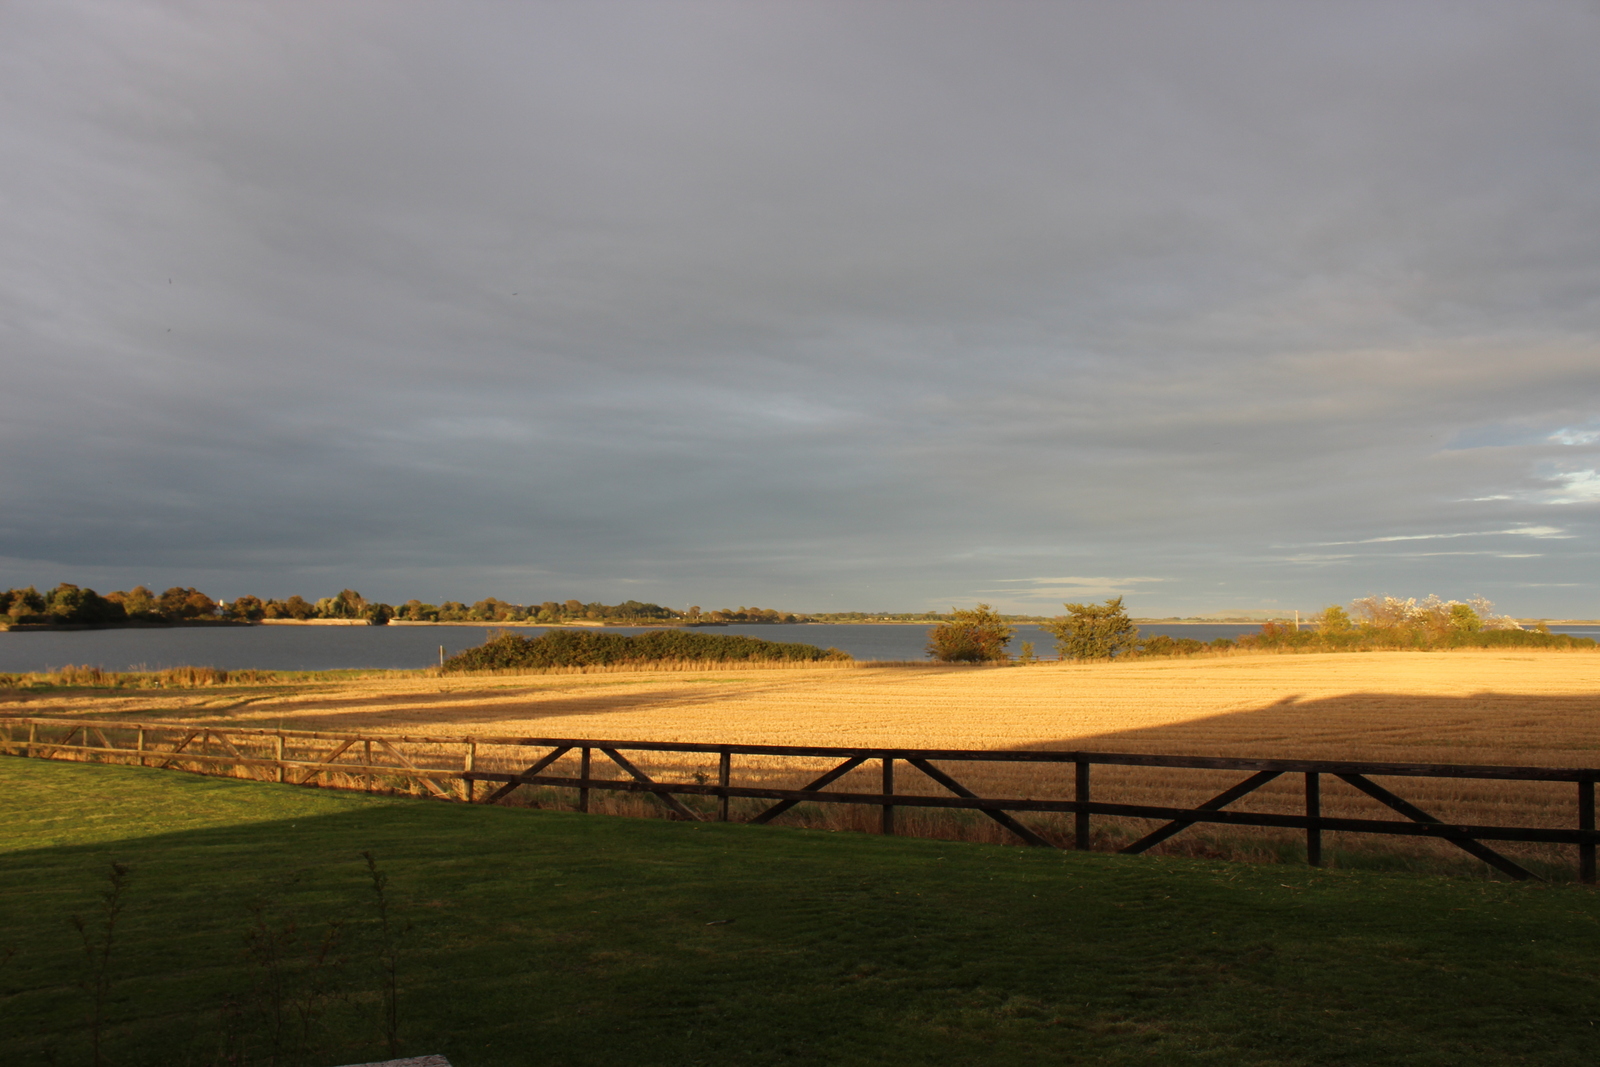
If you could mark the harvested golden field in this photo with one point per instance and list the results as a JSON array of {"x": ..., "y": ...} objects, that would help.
[{"x": 1470, "y": 706}]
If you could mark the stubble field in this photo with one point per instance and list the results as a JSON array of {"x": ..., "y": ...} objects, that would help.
[{"x": 1527, "y": 707}]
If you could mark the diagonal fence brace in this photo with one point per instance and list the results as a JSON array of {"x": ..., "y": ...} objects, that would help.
[
  {"x": 179, "y": 747},
  {"x": 642, "y": 778},
  {"x": 324, "y": 762},
  {"x": 784, "y": 805},
  {"x": 1216, "y": 803},
  {"x": 1461, "y": 841},
  {"x": 50, "y": 748},
  {"x": 1003, "y": 818},
  {"x": 432, "y": 785},
  {"x": 505, "y": 790}
]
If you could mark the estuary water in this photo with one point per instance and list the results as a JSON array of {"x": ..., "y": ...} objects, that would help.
[{"x": 327, "y": 648}]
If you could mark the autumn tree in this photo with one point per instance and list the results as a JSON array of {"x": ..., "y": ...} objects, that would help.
[
  {"x": 247, "y": 609},
  {"x": 20, "y": 603},
  {"x": 180, "y": 603},
  {"x": 976, "y": 635},
  {"x": 137, "y": 603}
]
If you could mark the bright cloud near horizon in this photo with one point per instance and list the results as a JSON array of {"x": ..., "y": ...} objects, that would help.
[{"x": 813, "y": 305}]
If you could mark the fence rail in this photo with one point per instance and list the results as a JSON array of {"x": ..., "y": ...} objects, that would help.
[{"x": 308, "y": 757}]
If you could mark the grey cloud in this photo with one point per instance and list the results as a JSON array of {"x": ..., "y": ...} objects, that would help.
[{"x": 812, "y": 304}]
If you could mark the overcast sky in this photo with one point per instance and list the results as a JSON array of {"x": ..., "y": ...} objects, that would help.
[{"x": 818, "y": 306}]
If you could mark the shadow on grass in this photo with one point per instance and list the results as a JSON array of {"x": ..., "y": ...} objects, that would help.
[{"x": 565, "y": 939}]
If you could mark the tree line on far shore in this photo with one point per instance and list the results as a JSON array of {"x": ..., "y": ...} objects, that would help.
[
  {"x": 71, "y": 605},
  {"x": 1104, "y": 631}
]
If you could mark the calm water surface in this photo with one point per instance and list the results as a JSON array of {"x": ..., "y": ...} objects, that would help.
[{"x": 324, "y": 648}]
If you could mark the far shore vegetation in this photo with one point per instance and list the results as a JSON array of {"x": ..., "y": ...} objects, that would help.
[
  {"x": 977, "y": 635},
  {"x": 1104, "y": 631},
  {"x": 73, "y": 606}
]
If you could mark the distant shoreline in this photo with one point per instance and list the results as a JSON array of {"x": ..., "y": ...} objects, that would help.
[{"x": 186, "y": 624}]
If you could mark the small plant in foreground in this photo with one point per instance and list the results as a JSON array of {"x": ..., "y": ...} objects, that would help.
[
  {"x": 294, "y": 982},
  {"x": 390, "y": 931},
  {"x": 97, "y": 946}
]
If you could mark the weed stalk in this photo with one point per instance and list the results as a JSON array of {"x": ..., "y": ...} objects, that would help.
[
  {"x": 97, "y": 946},
  {"x": 389, "y": 933}
]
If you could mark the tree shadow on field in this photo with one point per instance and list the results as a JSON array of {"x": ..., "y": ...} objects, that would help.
[{"x": 1483, "y": 727}]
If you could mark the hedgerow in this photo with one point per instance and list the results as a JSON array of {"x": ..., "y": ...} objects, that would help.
[{"x": 592, "y": 648}]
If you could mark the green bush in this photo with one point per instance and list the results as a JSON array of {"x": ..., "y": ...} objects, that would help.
[
  {"x": 1164, "y": 645},
  {"x": 1094, "y": 631},
  {"x": 596, "y": 648}
]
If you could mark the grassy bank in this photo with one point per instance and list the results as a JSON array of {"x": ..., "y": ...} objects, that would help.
[{"x": 539, "y": 937}]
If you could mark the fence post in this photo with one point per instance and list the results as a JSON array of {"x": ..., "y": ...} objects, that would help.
[
  {"x": 724, "y": 773},
  {"x": 1313, "y": 814},
  {"x": 469, "y": 763},
  {"x": 277, "y": 754},
  {"x": 139, "y": 746},
  {"x": 1081, "y": 818},
  {"x": 888, "y": 790},
  {"x": 33, "y": 735},
  {"x": 583, "y": 776},
  {"x": 1586, "y": 822}
]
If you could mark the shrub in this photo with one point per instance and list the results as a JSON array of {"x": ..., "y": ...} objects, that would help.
[
  {"x": 978, "y": 635},
  {"x": 589, "y": 648},
  {"x": 1164, "y": 645}
]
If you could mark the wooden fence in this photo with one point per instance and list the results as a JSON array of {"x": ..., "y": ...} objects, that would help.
[{"x": 448, "y": 769}]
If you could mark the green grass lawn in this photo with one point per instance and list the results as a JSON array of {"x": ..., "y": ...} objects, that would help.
[{"x": 549, "y": 938}]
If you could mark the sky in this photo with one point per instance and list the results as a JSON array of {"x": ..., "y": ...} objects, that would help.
[{"x": 821, "y": 306}]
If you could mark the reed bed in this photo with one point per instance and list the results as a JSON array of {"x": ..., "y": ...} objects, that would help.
[
  {"x": 185, "y": 677},
  {"x": 191, "y": 677}
]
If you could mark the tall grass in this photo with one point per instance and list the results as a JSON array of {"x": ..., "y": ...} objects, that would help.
[{"x": 87, "y": 677}]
